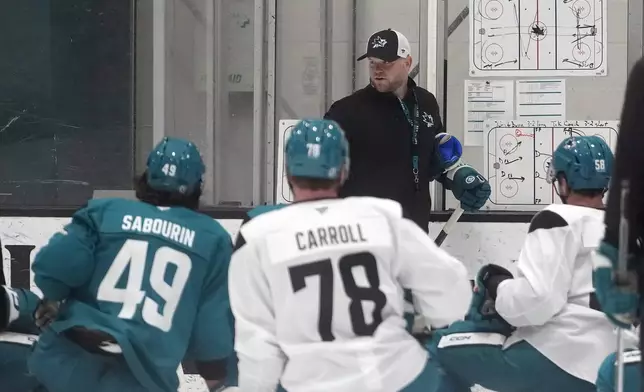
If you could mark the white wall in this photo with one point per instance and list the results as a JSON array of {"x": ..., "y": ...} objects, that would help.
[
  {"x": 475, "y": 244},
  {"x": 300, "y": 76}
]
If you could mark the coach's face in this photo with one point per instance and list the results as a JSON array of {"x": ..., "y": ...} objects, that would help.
[{"x": 387, "y": 76}]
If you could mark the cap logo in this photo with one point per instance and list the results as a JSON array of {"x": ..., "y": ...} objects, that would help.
[{"x": 378, "y": 42}]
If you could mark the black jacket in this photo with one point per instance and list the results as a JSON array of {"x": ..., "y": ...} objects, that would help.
[{"x": 381, "y": 150}]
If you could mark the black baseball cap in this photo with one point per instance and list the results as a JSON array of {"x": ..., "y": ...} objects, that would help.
[{"x": 387, "y": 45}]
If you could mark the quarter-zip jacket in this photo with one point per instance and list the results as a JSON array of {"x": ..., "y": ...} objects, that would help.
[{"x": 380, "y": 145}]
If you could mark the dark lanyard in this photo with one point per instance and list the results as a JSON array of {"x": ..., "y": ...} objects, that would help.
[{"x": 413, "y": 122}]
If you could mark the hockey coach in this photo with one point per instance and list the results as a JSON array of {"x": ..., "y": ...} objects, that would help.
[{"x": 394, "y": 129}]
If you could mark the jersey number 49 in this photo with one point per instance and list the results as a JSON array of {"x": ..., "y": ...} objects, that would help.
[
  {"x": 357, "y": 294},
  {"x": 133, "y": 254}
]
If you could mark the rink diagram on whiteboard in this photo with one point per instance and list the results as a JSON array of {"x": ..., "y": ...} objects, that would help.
[
  {"x": 518, "y": 155},
  {"x": 538, "y": 37}
]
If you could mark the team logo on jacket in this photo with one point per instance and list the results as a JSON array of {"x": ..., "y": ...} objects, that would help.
[
  {"x": 378, "y": 42},
  {"x": 428, "y": 119}
]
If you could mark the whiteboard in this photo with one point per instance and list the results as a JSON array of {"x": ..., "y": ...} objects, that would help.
[
  {"x": 283, "y": 193},
  {"x": 517, "y": 155},
  {"x": 538, "y": 38}
]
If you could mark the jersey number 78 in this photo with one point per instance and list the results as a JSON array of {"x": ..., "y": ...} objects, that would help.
[
  {"x": 133, "y": 254},
  {"x": 357, "y": 294}
]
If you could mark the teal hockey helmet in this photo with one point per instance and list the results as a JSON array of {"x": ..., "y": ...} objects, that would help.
[
  {"x": 585, "y": 161},
  {"x": 317, "y": 149},
  {"x": 175, "y": 165}
]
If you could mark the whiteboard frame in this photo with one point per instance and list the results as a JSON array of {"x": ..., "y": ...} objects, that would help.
[{"x": 476, "y": 72}]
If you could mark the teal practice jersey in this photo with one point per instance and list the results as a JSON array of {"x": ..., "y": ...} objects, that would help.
[{"x": 155, "y": 278}]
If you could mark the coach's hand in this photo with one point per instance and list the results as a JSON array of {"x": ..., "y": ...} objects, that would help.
[
  {"x": 469, "y": 187},
  {"x": 618, "y": 302}
]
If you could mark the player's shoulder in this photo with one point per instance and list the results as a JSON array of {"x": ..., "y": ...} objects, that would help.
[
  {"x": 565, "y": 215},
  {"x": 263, "y": 220},
  {"x": 359, "y": 207},
  {"x": 97, "y": 206},
  {"x": 97, "y": 209},
  {"x": 259, "y": 210},
  {"x": 387, "y": 207}
]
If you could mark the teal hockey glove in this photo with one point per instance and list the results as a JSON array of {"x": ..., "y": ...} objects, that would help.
[
  {"x": 468, "y": 186},
  {"x": 16, "y": 304},
  {"x": 619, "y": 303},
  {"x": 487, "y": 281}
]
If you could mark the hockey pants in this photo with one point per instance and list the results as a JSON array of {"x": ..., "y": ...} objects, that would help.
[
  {"x": 632, "y": 373},
  {"x": 62, "y": 366},
  {"x": 14, "y": 375},
  {"x": 471, "y": 357},
  {"x": 431, "y": 379}
]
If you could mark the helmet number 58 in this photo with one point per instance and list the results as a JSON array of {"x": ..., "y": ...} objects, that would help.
[{"x": 600, "y": 164}]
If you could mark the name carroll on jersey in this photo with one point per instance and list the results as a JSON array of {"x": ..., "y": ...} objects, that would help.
[
  {"x": 331, "y": 235},
  {"x": 169, "y": 230}
]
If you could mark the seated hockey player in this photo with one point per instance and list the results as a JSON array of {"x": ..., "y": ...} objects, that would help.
[
  {"x": 632, "y": 365},
  {"x": 17, "y": 334},
  {"x": 317, "y": 288},
  {"x": 550, "y": 337},
  {"x": 142, "y": 284}
]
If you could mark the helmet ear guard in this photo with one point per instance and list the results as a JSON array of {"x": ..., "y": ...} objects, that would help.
[{"x": 551, "y": 175}]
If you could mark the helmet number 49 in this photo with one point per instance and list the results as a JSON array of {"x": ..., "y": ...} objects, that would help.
[
  {"x": 600, "y": 165},
  {"x": 169, "y": 170}
]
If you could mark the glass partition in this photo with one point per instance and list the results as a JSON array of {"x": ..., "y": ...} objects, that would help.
[
  {"x": 66, "y": 107},
  {"x": 88, "y": 87}
]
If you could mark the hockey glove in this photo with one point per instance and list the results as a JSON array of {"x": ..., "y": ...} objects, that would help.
[
  {"x": 487, "y": 281},
  {"x": 468, "y": 186},
  {"x": 619, "y": 303},
  {"x": 46, "y": 313},
  {"x": 9, "y": 307},
  {"x": 16, "y": 304}
]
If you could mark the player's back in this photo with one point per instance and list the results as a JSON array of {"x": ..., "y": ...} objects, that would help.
[
  {"x": 570, "y": 234},
  {"x": 332, "y": 268},
  {"x": 153, "y": 265}
]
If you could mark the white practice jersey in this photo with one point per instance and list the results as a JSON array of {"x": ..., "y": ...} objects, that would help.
[
  {"x": 550, "y": 298},
  {"x": 317, "y": 294}
]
